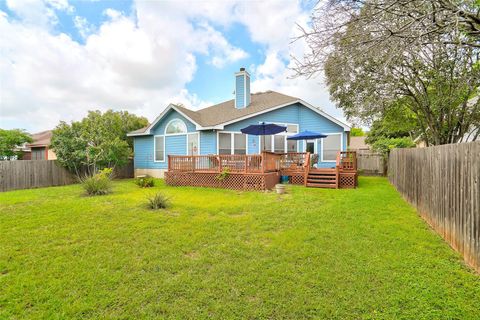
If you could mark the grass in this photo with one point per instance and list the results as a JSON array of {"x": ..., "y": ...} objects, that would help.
[{"x": 312, "y": 253}]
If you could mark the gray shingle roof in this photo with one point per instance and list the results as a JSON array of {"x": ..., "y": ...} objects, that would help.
[
  {"x": 226, "y": 111},
  {"x": 141, "y": 130}
]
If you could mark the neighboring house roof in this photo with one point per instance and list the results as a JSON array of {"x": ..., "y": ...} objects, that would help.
[
  {"x": 358, "y": 143},
  {"x": 41, "y": 139},
  {"x": 219, "y": 115}
]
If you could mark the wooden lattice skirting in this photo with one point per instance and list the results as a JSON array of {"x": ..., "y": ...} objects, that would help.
[
  {"x": 348, "y": 180},
  {"x": 236, "y": 181}
]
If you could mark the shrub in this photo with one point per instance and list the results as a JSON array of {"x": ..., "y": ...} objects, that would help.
[
  {"x": 158, "y": 201},
  {"x": 224, "y": 174},
  {"x": 99, "y": 183},
  {"x": 384, "y": 145},
  {"x": 145, "y": 182}
]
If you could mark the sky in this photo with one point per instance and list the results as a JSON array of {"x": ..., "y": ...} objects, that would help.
[{"x": 61, "y": 58}]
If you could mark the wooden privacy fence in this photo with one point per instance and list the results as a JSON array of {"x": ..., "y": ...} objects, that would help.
[
  {"x": 26, "y": 174},
  {"x": 443, "y": 183},
  {"x": 370, "y": 162}
]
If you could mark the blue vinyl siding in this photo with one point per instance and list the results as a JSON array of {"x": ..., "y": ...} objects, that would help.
[
  {"x": 208, "y": 142},
  {"x": 176, "y": 145},
  {"x": 143, "y": 146},
  {"x": 247, "y": 90},
  {"x": 240, "y": 91},
  {"x": 143, "y": 152}
]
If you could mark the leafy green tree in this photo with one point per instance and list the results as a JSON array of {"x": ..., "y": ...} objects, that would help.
[
  {"x": 98, "y": 141},
  {"x": 10, "y": 140},
  {"x": 384, "y": 145},
  {"x": 396, "y": 128},
  {"x": 395, "y": 122},
  {"x": 356, "y": 132}
]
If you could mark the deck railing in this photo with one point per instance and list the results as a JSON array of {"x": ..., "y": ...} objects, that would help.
[
  {"x": 347, "y": 160},
  {"x": 294, "y": 160},
  {"x": 255, "y": 163},
  {"x": 236, "y": 163}
]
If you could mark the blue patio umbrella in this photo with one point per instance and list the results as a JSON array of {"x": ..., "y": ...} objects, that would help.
[
  {"x": 306, "y": 135},
  {"x": 263, "y": 129}
]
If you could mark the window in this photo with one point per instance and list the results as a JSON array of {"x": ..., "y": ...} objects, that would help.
[
  {"x": 38, "y": 154},
  {"x": 232, "y": 143},
  {"x": 176, "y": 126},
  {"x": 292, "y": 128},
  {"x": 159, "y": 148},
  {"x": 330, "y": 146},
  {"x": 291, "y": 146},
  {"x": 279, "y": 143},
  {"x": 266, "y": 143},
  {"x": 193, "y": 144},
  {"x": 239, "y": 143},
  {"x": 224, "y": 143}
]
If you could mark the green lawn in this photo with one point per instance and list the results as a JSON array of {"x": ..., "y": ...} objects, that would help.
[{"x": 312, "y": 253}]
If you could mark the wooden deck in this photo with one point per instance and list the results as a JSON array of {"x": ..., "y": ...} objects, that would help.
[{"x": 259, "y": 172}]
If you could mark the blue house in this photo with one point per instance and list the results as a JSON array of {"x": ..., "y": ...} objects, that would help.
[{"x": 216, "y": 129}]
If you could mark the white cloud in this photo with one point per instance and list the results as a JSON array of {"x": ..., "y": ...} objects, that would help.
[
  {"x": 138, "y": 63},
  {"x": 62, "y": 5},
  {"x": 222, "y": 51},
  {"x": 122, "y": 65},
  {"x": 112, "y": 14},
  {"x": 39, "y": 12},
  {"x": 83, "y": 26}
]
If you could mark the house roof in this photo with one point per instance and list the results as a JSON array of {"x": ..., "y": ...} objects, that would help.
[
  {"x": 41, "y": 139},
  {"x": 226, "y": 111},
  {"x": 358, "y": 143},
  {"x": 216, "y": 116}
]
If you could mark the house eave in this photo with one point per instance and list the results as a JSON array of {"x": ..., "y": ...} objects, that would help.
[{"x": 148, "y": 130}]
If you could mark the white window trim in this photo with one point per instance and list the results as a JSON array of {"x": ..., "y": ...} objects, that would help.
[
  {"x": 198, "y": 141},
  {"x": 341, "y": 145},
  {"x": 285, "y": 134},
  {"x": 232, "y": 141},
  {"x": 155, "y": 148},
  {"x": 175, "y": 134}
]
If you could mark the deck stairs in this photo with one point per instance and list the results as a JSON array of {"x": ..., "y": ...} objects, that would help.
[{"x": 322, "y": 178}]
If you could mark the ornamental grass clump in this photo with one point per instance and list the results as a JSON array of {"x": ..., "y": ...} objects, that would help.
[
  {"x": 145, "y": 182},
  {"x": 99, "y": 183},
  {"x": 158, "y": 201}
]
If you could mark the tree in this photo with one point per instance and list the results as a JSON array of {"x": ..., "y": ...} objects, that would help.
[
  {"x": 396, "y": 122},
  {"x": 397, "y": 128},
  {"x": 356, "y": 132},
  {"x": 384, "y": 145},
  {"x": 10, "y": 140},
  {"x": 377, "y": 23},
  {"x": 98, "y": 141},
  {"x": 370, "y": 65}
]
